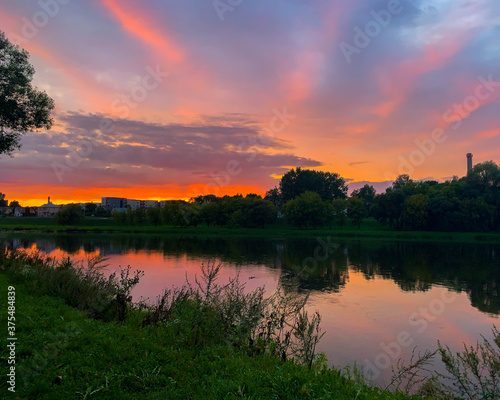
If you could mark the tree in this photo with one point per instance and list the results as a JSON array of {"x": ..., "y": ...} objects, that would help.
[
  {"x": 22, "y": 106},
  {"x": 14, "y": 203},
  {"x": 258, "y": 212},
  {"x": 367, "y": 193},
  {"x": 3, "y": 202},
  {"x": 339, "y": 210},
  {"x": 70, "y": 215},
  {"x": 120, "y": 217},
  {"x": 90, "y": 209},
  {"x": 356, "y": 210},
  {"x": 417, "y": 210},
  {"x": 328, "y": 185},
  {"x": 153, "y": 215},
  {"x": 401, "y": 181},
  {"x": 209, "y": 212},
  {"x": 306, "y": 209}
]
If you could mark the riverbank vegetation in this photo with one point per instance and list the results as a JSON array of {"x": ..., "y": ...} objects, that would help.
[
  {"x": 209, "y": 342},
  {"x": 82, "y": 336}
]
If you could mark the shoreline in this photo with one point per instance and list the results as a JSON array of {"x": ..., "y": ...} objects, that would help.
[{"x": 275, "y": 232}]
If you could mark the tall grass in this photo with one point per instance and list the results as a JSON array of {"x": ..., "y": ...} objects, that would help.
[
  {"x": 81, "y": 285},
  {"x": 276, "y": 325}
]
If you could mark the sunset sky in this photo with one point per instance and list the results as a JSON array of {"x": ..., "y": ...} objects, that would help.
[{"x": 171, "y": 99}]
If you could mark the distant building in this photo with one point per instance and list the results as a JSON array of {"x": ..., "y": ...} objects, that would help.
[
  {"x": 19, "y": 211},
  {"x": 5, "y": 211},
  {"x": 109, "y": 203},
  {"x": 134, "y": 204},
  {"x": 48, "y": 210},
  {"x": 149, "y": 203}
]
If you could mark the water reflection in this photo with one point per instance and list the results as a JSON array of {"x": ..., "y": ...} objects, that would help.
[{"x": 322, "y": 265}]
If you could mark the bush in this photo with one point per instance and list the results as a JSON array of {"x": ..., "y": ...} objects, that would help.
[
  {"x": 81, "y": 286},
  {"x": 276, "y": 325},
  {"x": 70, "y": 215}
]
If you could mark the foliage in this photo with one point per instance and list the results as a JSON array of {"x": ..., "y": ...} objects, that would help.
[
  {"x": 367, "y": 193},
  {"x": 306, "y": 210},
  {"x": 297, "y": 181},
  {"x": 468, "y": 204},
  {"x": 276, "y": 325},
  {"x": 70, "y": 215},
  {"x": 339, "y": 211},
  {"x": 475, "y": 372},
  {"x": 14, "y": 203},
  {"x": 417, "y": 210},
  {"x": 81, "y": 286},
  {"x": 356, "y": 210},
  {"x": 90, "y": 209},
  {"x": 3, "y": 202},
  {"x": 22, "y": 106}
]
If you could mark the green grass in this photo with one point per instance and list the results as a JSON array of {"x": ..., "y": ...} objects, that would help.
[
  {"x": 370, "y": 229},
  {"x": 62, "y": 354}
]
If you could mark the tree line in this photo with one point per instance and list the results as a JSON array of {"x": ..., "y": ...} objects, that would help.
[{"x": 312, "y": 199}]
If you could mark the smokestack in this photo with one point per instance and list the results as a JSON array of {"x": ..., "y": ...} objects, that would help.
[
  {"x": 469, "y": 162},
  {"x": 48, "y": 200}
]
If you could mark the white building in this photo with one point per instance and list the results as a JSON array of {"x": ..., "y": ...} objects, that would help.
[
  {"x": 134, "y": 204},
  {"x": 48, "y": 210},
  {"x": 19, "y": 212}
]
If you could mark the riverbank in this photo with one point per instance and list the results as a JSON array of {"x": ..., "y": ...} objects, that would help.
[
  {"x": 370, "y": 229},
  {"x": 62, "y": 353}
]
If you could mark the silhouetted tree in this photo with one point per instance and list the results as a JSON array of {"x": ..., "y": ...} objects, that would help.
[
  {"x": 70, "y": 215},
  {"x": 22, "y": 106},
  {"x": 356, "y": 210},
  {"x": 328, "y": 185}
]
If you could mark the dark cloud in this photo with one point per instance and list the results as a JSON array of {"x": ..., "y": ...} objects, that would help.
[
  {"x": 355, "y": 163},
  {"x": 140, "y": 152}
]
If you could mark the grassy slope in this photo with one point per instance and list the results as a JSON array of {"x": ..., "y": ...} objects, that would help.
[
  {"x": 370, "y": 229},
  {"x": 61, "y": 354}
]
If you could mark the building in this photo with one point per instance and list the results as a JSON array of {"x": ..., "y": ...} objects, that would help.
[
  {"x": 149, "y": 203},
  {"x": 48, "y": 210},
  {"x": 109, "y": 203},
  {"x": 19, "y": 212},
  {"x": 134, "y": 204},
  {"x": 469, "y": 162}
]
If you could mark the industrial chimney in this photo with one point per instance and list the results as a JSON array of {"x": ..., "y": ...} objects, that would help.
[{"x": 469, "y": 163}]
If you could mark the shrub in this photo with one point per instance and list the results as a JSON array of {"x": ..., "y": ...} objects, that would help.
[
  {"x": 81, "y": 286},
  {"x": 277, "y": 325}
]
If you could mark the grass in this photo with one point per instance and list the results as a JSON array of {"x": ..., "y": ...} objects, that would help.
[
  {"x": 370, "y": 229},
  {"x": 62, "y": 353}
]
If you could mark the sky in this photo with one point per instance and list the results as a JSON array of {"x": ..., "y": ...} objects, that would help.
[{"x": 173, "y": 99}]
